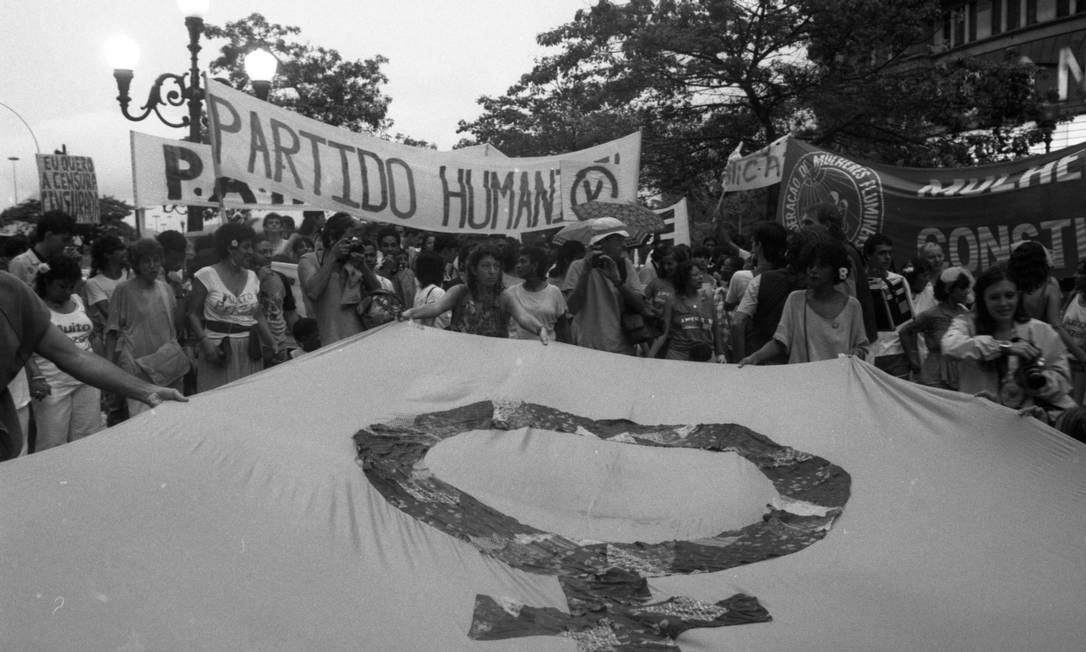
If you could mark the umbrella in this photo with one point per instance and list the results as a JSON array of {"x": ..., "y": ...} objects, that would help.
[{"x": 641, "y": 222}]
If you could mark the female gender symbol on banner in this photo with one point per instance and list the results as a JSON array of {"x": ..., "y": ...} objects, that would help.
[{"x": 604, "y": 583}]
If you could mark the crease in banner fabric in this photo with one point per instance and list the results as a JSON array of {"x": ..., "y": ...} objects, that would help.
[
  {"x": 604, "y": 582},
  {"x": 273, "y": 150}
]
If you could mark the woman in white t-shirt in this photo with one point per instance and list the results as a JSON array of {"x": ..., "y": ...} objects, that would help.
[
  {"x": 430, "y": 271},
  {"x": 538, "y": 298},
  {"x": 65, "y": 409}
]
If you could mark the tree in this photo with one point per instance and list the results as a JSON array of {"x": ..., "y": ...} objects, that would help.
[
  {"x": 314, "y": 81},
  {"x": 699, "y": 76}
]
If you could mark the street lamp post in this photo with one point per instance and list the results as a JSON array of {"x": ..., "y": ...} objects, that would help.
[
  {"x": 180, "y": 90},
  {"x": 175, "y": 90},
  {"x": 14, "y": 182}
]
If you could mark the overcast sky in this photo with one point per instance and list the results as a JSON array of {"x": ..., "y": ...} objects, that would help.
[{"x": 442, "y": 56}]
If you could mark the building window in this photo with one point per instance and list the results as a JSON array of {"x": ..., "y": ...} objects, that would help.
[
  {"x": 1080, "y": 6},
  {"x": 1014, "y": 14},
  {"x": 972, "y": 21},
  {"x": 1031, "y": 12},
  {"x": 1063, "y": 8},
  {"x": 997, "y": 16}
]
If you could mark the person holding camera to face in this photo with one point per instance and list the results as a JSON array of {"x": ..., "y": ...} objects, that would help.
[
  {"x": 1006, "y": 356},
  {"x": 600, "y": 287},
  {"x": 337, "y": 278}
]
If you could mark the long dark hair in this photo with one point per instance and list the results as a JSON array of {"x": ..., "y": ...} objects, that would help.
[
  {"x": 684, "y": 269},
  {"x": 983, "y": 319}
]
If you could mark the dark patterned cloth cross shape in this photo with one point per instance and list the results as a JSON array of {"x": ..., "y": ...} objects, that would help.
[{"x": 604, "y": 583}]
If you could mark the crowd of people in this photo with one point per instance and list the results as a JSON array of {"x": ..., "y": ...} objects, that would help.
[{"x": 170, "y": 316}]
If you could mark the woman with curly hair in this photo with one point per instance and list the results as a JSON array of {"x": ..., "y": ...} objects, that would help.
[
  {"x": 822, "y": 321},
  {"x": 1004, "y": 354},
  {"x": 480, "y": 305}
]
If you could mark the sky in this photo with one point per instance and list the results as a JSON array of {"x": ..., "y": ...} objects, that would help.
[{"x": 442, "y": 57}]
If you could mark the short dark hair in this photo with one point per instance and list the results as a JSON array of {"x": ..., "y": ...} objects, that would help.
[
  {"x": 173, "y": 242},
  {"x": 336, "y": 227},
  {"x": 230, "y": 235},
  {"x": 61, "y": 268},
  {"x": 269, "y": 216},
  {"x": 429, "y": 268},
  {"x": 773, "y": 238},
  {"x": 304, "y": 327},
  {"x": 538, "y": 258},
  {"x": 876, "y": 240},
  {"x": 54, "y": 222},
  {"x": 827, "y": 252},
  {"x": 102, "y": 248}
]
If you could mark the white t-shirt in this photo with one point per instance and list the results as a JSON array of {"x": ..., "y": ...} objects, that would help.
[
  {"x": 546, "y": 305},
  {"x": 427, "y": 295},
  {"x": 77, "y": 326},
  {"x": 100, "y": 287}
]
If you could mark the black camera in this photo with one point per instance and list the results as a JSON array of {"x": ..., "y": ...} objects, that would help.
[
  {"x": 600, "y": 259},
  {"x": 356, "y": 245},
  {"x": 1032, "y": 375}
]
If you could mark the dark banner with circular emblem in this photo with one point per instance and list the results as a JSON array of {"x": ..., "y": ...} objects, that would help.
[{"x": 974, "y": 213}]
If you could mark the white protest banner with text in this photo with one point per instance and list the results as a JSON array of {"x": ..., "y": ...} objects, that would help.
[
  {"x": 167, "y": 172},
  {"x": 69, "y": 184},
  {"x": 268, "y": 147},
  {"x": 757, "y": 170}
]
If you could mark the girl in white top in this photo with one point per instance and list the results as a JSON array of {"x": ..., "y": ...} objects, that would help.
[
  {"x": 224, "y": 312},
  {"x": 823, "y": 321},
  {"x": 65, "y": 409},
  {"x": 538, "y": 298}
]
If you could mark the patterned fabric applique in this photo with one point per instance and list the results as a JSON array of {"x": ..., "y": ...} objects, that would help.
[{"x": 604, "y": 582}]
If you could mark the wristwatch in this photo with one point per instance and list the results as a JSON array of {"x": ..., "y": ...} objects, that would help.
[{"x": 1005, "y": 347}]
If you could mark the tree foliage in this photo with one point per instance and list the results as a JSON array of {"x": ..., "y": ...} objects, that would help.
[
  {"x": 700, "y": 76},
  {"x": 314, "y": 81}
]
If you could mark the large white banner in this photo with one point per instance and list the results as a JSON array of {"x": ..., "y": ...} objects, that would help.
[
  {"x": 166, "y": 172},
  {"x": 278, "y": 151}
]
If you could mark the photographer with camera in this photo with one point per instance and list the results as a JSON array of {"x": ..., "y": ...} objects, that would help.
[
  {"x": 1005, "y": 355},
  {"x": 337, "y": 278},
  {"x": 602, "y": 286}
]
